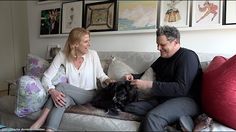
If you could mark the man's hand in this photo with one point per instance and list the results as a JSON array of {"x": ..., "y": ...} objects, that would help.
[
  {"x": 128, "y": 77},
  {"x": 57, "y": 97},
  {"x": 141, "y": 84}
]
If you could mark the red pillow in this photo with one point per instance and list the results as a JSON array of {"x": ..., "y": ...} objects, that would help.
[
  {"x": 219, "y": 90},
  {"x": 215, "y": 63}
]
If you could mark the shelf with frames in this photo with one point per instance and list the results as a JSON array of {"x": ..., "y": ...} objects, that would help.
[{"x": 184, "y": 29}]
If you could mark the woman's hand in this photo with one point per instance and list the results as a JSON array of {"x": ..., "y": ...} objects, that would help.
[
  {"x": 108, "y": 81},
  {"x": 128, "y": 77},
  {"x": 57, "y": 97}
]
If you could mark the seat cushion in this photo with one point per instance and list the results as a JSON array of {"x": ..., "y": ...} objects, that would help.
[{"x": 219, "y": 90}]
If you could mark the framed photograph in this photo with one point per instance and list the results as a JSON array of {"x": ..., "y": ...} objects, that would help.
[
  {"x": 207, "y": 13},
  {"x": 101, "y": 16},
  {"x": 229, "y": 16},
  {"x": 174, "y": 13},
  {"x": 135, "y": 15},
  {"x": 50, "y": 21},
  {"x": 52, "y": 50},
  {"x": 72, "y": 15}
]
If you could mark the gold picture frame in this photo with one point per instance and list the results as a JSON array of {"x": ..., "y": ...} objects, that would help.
[{"x": 101, "y": 16}]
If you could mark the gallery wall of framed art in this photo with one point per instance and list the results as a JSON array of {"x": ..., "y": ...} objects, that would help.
[{"x": 120, "y": 15}]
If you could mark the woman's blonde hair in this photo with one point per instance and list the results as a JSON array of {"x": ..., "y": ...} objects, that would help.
[{"x": 75, "y": 35}]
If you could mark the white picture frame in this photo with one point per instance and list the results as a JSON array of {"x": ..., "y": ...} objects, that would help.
[
  {"x": 174, "y": 13},
  {"x": 72, "y": 16},
  {"x": 203, "y": 16}
]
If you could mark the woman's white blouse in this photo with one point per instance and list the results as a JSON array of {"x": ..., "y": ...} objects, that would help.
[{"x": 85, "y": 78}]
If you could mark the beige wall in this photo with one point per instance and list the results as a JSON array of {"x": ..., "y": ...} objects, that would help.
[{"x": 14, "y": 39}]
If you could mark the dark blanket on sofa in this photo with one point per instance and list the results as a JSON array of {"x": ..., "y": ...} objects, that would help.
[{"x": 90, "y": 110}]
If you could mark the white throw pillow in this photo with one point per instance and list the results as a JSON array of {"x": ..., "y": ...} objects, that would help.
[
  {"x": 148, "y": 75},
  {"x": 117, "y": 69}
]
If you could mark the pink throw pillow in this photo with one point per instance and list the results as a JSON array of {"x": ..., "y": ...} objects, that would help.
[{"x": 219, "y": 90}]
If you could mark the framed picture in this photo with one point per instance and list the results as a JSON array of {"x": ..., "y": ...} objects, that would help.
[
  {"x": 207, "y": 13},
  {"x": 46, "y": 1},
  {"x": 72, "y": 15},
  {"x": 229, "y": 16},
  {"x": 52, "y": 50},
  {"x": 101, "y": 16},
  {"x": 174, "y": 13},
  {"x": 135, "y": 15},
  {"x": 50, "y": 21}
]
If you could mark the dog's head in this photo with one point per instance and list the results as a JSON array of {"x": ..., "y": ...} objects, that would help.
[{"x": 124, "y": 94}]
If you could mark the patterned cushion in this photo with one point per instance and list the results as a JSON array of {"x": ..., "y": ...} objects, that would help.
[
  {"x": 219, "y": 90},
  {"x": 30, "y": 97},
  {"x": 35, "y": 66},
  {"x": 60, "y": 77}
]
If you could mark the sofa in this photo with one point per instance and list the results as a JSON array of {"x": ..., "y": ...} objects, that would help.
[{"x": 115, "y": 64}]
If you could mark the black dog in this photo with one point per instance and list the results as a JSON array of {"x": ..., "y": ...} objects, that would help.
[{"x": 115, "y": 97}]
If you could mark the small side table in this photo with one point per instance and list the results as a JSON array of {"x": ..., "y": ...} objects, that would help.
[{"x": 10, "y": 84}]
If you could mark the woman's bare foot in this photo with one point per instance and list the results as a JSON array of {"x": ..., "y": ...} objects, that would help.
[{"x": 41, "y": 119}]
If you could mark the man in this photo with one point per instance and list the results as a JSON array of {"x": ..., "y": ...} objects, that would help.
[{"x": 176, "y": 88}]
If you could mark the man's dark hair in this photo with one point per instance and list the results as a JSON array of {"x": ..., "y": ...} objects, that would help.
[{"x": 171, "y": 33}]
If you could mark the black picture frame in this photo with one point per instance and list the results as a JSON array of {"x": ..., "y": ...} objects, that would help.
[
  {"x": 229, "y": 18},
  {"x": 101, "y": 16},
  {"x": 50, "y": 21}
]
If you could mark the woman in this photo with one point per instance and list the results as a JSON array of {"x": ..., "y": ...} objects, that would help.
[{"x": 83, "y": 67}]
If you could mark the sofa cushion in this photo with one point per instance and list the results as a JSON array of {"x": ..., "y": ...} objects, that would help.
[
  {"x": 149, "y": 75},
  {"x": 30, "y": 95},
  {"x": 35, "y": 65},
  {"x": 117, "y": 69},
  {"x": 105, "y": 64},
  {"x": 60, "y": 77},
  {"x": 219, "y": 90},
  {"x": 204, "y": 65}
]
